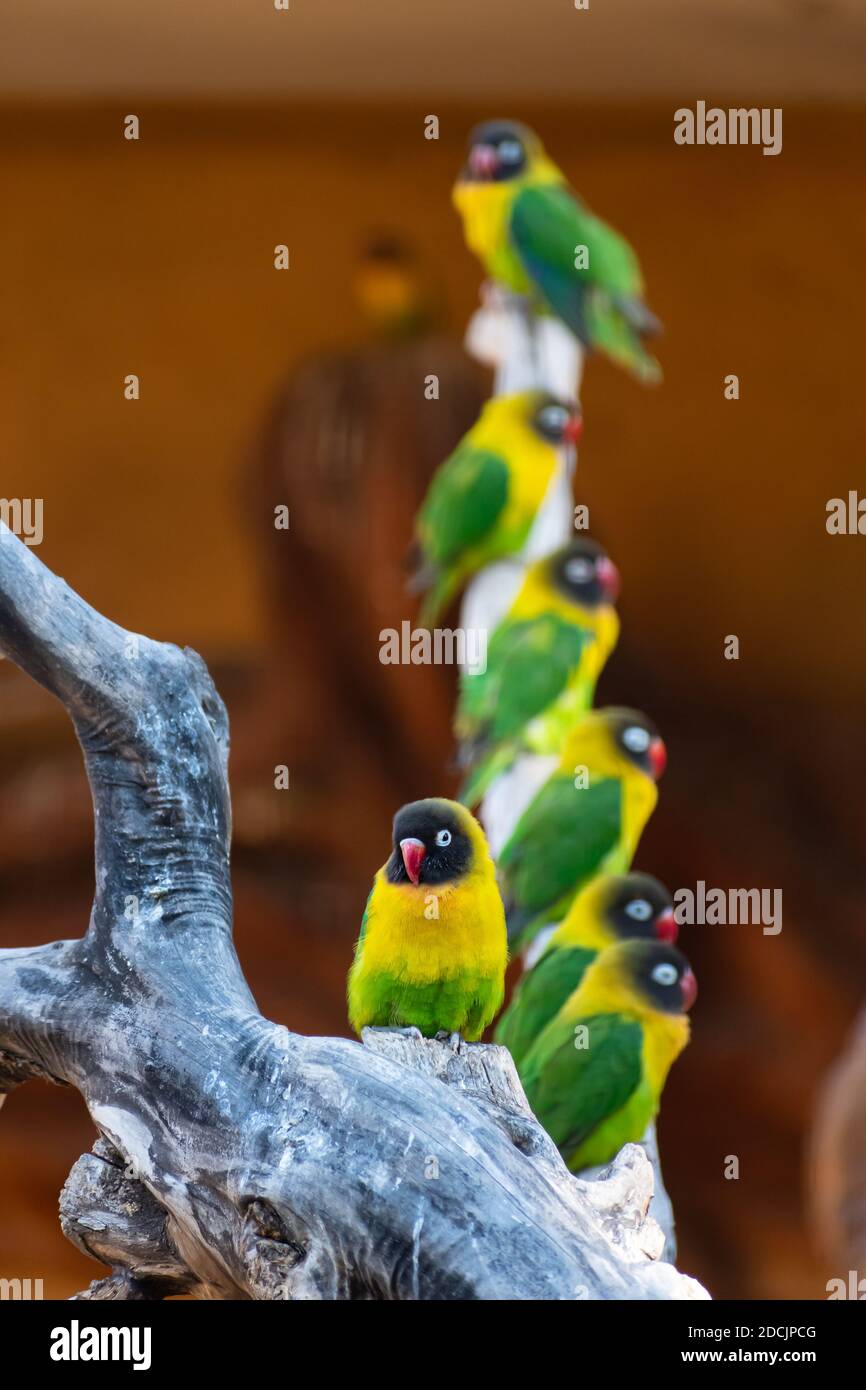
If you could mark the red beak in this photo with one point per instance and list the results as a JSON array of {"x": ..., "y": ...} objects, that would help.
[
  {"x": 689, "y": 988},
  {"x": 667, "y": 928},
  {"x": 608, "y": 577},
  {"x": 413, "y": 853},
  {"x": 658, "y": 756},
  {"x": 573, "y": 431},
  {"x": 483, "y": 161}
]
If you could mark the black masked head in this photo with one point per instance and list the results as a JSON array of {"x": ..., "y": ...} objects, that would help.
[
  {"x": 637, "y": 905},
  {"x": 555, "y": 420},
  {"x": 583, "y": 573},
  {"x": 431, "y": 843},
  {"x": 660, "y": 974},
  {"x": 637, "y": 739},
  {"x": 499, "y": 151}
]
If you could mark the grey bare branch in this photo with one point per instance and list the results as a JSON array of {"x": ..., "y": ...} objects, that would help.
[{"x": 237, "y": 1159}]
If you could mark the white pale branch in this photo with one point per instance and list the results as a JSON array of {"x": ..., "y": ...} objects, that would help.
[
  {"x": 531, "y": 352},
  {"x": 236, "y": 1159}
]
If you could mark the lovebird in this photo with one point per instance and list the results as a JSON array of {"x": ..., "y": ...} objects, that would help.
[
  {"x": 433, "y": 949},
  {"x": 611, "y": 908},
  {"x": 534, "y": 235},
  {"x": 483, "y": 499},
  {"x": 543, "y": 661},
  {"x": 595, "y": 1075},
  {"x": 586, "y": 819}
]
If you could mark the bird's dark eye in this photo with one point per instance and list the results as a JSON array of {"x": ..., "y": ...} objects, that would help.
[
  {"x": 665, "y": 974},
  {"x": 443, "y": 838},
  {"x": 553, "y": 418},
  {"x": 578, "y": 571},
  {"x": 639, "y": 910},
  {"x": 510, "y": 151},
  {"x": 636, "y": 739}
]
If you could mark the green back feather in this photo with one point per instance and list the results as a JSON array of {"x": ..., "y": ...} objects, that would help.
[
  {"x": 529, "y": 663},
  {"x": 559, "y": 842},
  {"x": 540, "y": 995},
  {"x": 601, "y": 302},
  {"x": 573, "y": 1089},
  {"x": 465, "y": 498}
]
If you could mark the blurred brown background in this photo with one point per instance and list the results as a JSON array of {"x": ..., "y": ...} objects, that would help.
[{"x": 261, "y": 387}]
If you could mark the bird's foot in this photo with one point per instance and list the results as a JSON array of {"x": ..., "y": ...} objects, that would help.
[{"x": 454, "y": 1039}]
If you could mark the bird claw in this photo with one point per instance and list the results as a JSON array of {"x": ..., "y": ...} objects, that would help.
[{"x": 454, "y": 1039}]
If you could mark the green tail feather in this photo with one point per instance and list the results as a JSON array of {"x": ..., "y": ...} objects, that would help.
[{"x": 612, "y": 334}]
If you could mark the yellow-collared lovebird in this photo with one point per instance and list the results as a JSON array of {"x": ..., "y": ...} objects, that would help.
[
  {"x": 535, "y": 236},
  {"x": 595, "y": 1075},
  {"x": 482, "y": 501},
  {"x": 611, "y": 908},
  {"x": 586, "y": 819},
  {"x": 543, "y": 661},
  {"x": 432, "y": 951}
]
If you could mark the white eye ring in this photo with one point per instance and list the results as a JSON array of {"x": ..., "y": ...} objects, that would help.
[
  {"x": 640, "y": 910},
  {"x": 443, "y": 838},
  {"x": 636, "y": 739},
  {"x": 554, "y": 417},
  {"x": 510, "y": 151},
  {"x": 579, "y": 571},
  {"x": 665, "y": 974}
]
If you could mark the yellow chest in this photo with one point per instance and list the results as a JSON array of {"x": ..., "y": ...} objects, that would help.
[
  {"x": 534, "y": 465},
  {"x": 428, "y": 933},
  {"x": 486, "y": 210},
  {"x": 663, "y": 1041},
  {"x": 640, "y": 795}
]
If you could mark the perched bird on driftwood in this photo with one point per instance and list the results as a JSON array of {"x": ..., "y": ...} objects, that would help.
[
  {"x": 611, "y": 908},
  {"x": 595, "y": 1075},
  {"x": 432, "y": 950}
]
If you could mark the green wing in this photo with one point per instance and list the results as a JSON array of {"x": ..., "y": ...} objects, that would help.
[
  {"x": 540, "y": 995},
  {"x": 600, "y": 302},
  {"x": 465, "y": 498},
  {"x": 573, "y": 1089},
  {"x": 529, "y": 663},
  {"x": 559, "y": 841}
]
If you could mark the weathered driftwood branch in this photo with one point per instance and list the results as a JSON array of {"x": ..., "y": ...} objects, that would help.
[
  {"x": 837, "y": 1159},
  {"x": 237, "y": 1159}
]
